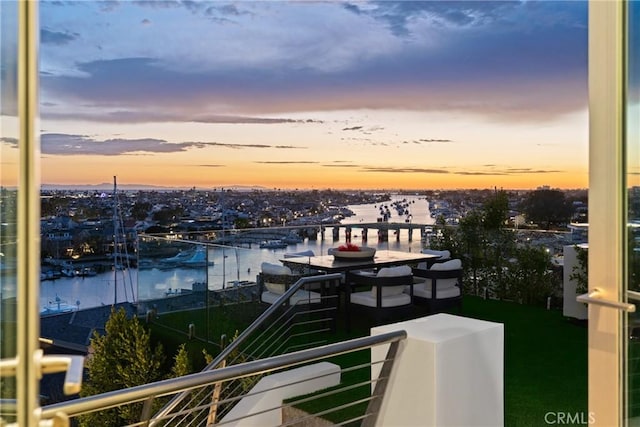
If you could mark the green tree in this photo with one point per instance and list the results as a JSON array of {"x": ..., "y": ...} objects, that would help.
[
  {"x": 242, "y": 223},
  {"x": 547, "y": 207},
  {"x": 580, "y": 271},
  {"x": 121, "y": 358},
  {"x": 51, "y": 206},
  {"x": 530, "y": 279},
  {"x": 168, "y": 215},
  {"x": 496, "y": 211},
  {"x": 500, "y": 242},
  {"x": 472, "y": 241},
  {"x": 483, "y": 242},
  {"x": 445, "y": 237},
  {"x": 181, "y": 363},
  {"x": 140, "y": 210}
]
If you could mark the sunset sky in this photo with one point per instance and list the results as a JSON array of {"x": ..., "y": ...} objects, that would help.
[{"x": 415, "y": 95}]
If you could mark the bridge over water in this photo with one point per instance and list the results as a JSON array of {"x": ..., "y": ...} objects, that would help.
[
  {"x": 380, "y": 229},
  {"x": 366, "y": 231}
]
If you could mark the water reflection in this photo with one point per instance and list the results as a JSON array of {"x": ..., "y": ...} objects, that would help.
[{"x": 168, "y": 268}]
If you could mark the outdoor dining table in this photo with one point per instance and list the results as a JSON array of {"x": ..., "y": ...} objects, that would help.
[
  {"x": 331, "y": 264},
  {"x": 382, "y": 258}
]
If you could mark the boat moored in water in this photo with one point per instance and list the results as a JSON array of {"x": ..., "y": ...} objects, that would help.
[
  {"x": 273, "y": 244},
  {"x": 59, "y": 306}
]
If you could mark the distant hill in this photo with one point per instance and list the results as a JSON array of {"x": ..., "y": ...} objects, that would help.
[{"x": 109, "y": 186}]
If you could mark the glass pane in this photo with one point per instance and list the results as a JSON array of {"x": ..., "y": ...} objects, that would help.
[
  {"x": 633, "y": 186},
  {"x": 8, "y": 190}
]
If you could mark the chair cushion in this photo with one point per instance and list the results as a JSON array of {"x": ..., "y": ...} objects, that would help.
[
  {"x": 275, "y": 288},
  {"x": 454, "y": 264},
  {"x": 402, "y": 270},
  {"x": 306, "y": 253},
  {"x": 363, "y": 273},
  {"x": 300, "y": 297},
  {"x": 365, "y": 298},
  {"x": 387, "y": 291},
  {"x": 423, "y": 290},
  {"x": 269, "y": 270},
  {"x": 275, "y": 269},
  {"x": 441, "y": 254}
]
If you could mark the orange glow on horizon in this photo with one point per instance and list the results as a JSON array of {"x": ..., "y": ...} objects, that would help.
[
  {"x": 412, "y": 150},
  {"x": 130, "y": 171}
]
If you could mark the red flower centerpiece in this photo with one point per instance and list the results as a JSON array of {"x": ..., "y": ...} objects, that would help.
[
  {"x": 352, "y": 251},
  {"x": 350, "y": 247}
]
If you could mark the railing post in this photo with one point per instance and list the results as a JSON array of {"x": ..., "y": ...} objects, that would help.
[
  {"x": 147, "y": 410},
  {"x": 215, "y": 398},
  {"x": 217, "y": 388},
  {"x": 373, "y": 409}
]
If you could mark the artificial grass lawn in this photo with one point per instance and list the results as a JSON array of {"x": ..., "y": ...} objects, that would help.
[
  {"x": 545, "y": 360},
  {"x": 545, "y": 356}
]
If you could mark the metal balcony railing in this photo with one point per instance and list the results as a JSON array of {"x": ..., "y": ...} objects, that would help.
[
  {"x": 281, "y": 328},
  {"x": 194, "y": 416},
  {"x": 285, "y": 335}
]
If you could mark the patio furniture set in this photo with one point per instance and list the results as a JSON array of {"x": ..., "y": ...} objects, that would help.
[{"x": 382, "y": 285}]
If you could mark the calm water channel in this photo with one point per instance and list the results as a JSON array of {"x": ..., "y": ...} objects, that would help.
[{"x": 229, "y": 265}]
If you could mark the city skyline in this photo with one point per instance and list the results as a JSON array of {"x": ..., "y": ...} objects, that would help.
[{"x": 314, "y": 94}]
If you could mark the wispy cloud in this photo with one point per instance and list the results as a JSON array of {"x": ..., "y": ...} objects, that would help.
[
  {"x": 529, "y": 170},
  {"x": 342, "y": 165},
  {"x": 507, "y": 171},
  {"x": 449, "y": 170},
  {"x": 141, "y": 116},
  {"x": 286, "y": 162},
  {"x": 9, "y": 141},
  {"x": 405, "y": 170},
  {"x": 249, "y": 120},
  {"x": 287, "y": 147},
  {"x": 66, "y": 144},
  {"x": 480, "y": 173},
  {"x": 434, "y": 140},
  {"x": 236, "y": 146},
  {"x": 57, "y": 38},
  {"x": 70, "y": 145}
]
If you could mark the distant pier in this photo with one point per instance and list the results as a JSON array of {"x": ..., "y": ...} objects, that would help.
[
  {"x": 367, "y": 231},
  {"x": 382, "y": 230}
]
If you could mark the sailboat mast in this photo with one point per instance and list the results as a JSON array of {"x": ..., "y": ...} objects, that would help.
[{"x": 115, "y": 243}]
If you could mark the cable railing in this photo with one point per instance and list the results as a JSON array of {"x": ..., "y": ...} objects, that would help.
[
  {"x": 286, "y": 326},
  {"x": 194, "y": 416},
  {"x": 281, "y": 328}
]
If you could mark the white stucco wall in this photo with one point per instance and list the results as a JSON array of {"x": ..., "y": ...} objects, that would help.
[{"x": 449, "y": 372}]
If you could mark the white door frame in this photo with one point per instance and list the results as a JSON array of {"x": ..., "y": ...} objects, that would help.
[
  {"x": 28, "y": 218},
  {"x": 607, "y": 195}
]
